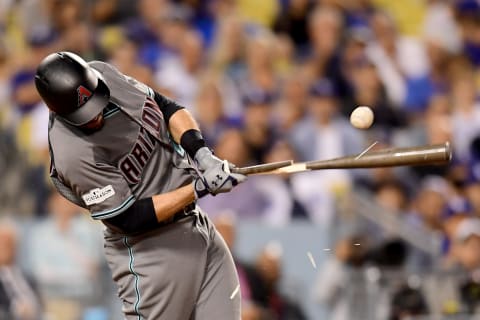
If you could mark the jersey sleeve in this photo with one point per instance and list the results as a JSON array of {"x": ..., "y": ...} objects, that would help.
[
  {"x": 166, "y": 105},
  {"x": 102, "y": 188},
  {"x": 106, "y": 67}
]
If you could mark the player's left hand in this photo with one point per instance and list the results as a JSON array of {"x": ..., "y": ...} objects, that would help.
[{"x": 217, "y": 179}]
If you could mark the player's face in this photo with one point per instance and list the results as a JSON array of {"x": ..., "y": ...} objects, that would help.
[{"x": 95, "y": 124}]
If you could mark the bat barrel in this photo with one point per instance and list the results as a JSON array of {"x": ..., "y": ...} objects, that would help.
[{"x": 424, "y": 155}]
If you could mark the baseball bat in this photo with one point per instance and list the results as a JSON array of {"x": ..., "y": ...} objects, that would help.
[
  {"x": 392, "y": 157},
  {"x": 260, "y": 168}
]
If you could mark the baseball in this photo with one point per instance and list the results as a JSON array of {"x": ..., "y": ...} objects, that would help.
[{"x": 362, "y": 117}]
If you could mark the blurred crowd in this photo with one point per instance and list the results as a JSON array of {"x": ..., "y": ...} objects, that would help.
[{"x": 270, "y": 80}]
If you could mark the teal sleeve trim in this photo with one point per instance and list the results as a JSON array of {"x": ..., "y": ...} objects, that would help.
[{"x": 116, "y": 211}]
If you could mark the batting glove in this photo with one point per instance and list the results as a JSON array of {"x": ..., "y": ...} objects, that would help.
[
  {"x": 205, "y": 159},
  {"x": 199, "y": 188},
  {"x": 217, "y": 179}
]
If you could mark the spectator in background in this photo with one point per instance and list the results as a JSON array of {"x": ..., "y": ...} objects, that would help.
[
  {"x": 257, "y": 122},
  {"x": 146, "y": 30},
  {"x": 292, "y": 21},
  {"x": 440, "y": 38},
  {"x": 434, "y": 127},
  {"x": 465, "y": 252},
  {"x": 357, "y": 13},
  {"x": 282, "y": 202},
  {"x": 465, "y": 113},
  {"x": 431, "y": 203},
  {"x": 431, "y": 126},
  {"x": 455, "y": 290},
  {"x": 464, "y": 233},
  {"x": 325, "y": 30},
  {"x": 439, "y": 26},
  {"x": 228, "y": 52},
  {"x": 65, "y": 14},
  {"x": 442, "y": 42},
  {"x": 30, "y": 116},
  {"x": 397, "y": 58},
  {"x": 209, "y": 110},
  {"x": 457, "y": 177},
  {"x": 260, "y": 62},
  {"x": 180, "y": 74},
  {"x": 124, "y": 56},
  {"x": 340, "y": 284},
  {"x": 292, "y": 105},
  {"x": 110, "y": 12},
  {"x": 65, "y": 258},
  {"x": 283, "y": 56},
  {"x": 323, "y": 135},
  {"x": 466, "y": 13},
  {"x": 368, "y": 90},
  {"x": 392, "y": 196},
  {"x": 18, "y": 298},
  {"x": 266, "y": 291},
  {"x": 472, "y": 193},
  {"x": 407, "y": 303},
  {"x": 437, "y": 124},
  {"x": 232, "y": 146},
  {"x": 428, "y": 213}
]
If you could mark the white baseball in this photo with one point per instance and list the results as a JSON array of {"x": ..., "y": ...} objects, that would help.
[{"x": 362, "y": 117}]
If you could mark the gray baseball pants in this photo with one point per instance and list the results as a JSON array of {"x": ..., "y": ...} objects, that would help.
[{"x": 181, "y": 271}]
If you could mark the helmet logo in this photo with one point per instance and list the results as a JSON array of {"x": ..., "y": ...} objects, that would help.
[{"x": 83, "y": 95}]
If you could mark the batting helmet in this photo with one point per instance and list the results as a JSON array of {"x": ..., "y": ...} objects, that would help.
[{"x": 71, "y": 88}]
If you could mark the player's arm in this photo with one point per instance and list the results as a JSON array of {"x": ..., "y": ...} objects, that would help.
[
  {"x": 177, "y": 118},
  {"x": 184, "y": 130},
  {"x": 148, "y": 212},
  {"x": 215, "y": 176}
]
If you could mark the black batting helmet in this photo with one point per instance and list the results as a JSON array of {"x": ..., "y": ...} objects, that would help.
[{"x": 71, "y": 88}]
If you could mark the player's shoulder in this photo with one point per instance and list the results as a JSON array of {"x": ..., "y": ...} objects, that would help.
[
  {"x": 105, "y": 68},
  {"x": 68, "y": 149},
  {"x": 113, "y": 76}
]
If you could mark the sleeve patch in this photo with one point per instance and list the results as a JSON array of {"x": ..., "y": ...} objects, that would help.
[{"x": 98, "y": 195}]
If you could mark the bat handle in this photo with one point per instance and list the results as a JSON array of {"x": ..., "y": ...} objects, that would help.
[{"x": 262, "y": 167}]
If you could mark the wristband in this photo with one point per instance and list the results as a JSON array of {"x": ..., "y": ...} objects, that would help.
[{"x": 191, "y": 141}]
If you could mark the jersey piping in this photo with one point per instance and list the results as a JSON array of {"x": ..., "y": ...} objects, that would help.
[{"x": 116, "y": 211}]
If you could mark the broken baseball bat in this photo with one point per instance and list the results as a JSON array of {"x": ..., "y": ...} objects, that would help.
[{"x": 438, "y": 154}]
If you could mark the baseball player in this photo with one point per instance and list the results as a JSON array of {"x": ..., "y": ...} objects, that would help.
[{"x": 137, "y": 161}]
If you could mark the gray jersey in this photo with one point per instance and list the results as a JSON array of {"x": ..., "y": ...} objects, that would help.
[{"x": 131, "y": 157}]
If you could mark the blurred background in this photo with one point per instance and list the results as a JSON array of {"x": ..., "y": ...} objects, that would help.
[{"x": 267, "y": 80}]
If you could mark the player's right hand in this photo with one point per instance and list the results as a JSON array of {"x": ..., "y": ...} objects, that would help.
[{"x": 217, "y": 179}]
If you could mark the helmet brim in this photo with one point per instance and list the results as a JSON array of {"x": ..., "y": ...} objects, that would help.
[{"x": 91, "y": 108}]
